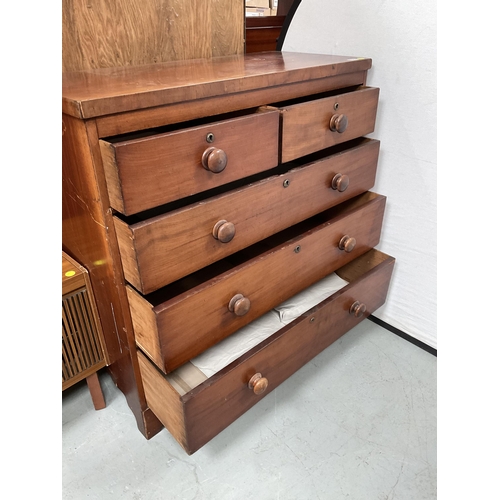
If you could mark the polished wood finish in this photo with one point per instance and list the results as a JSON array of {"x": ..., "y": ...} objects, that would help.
[
  {"x": 100, "y": 104},
  {"x": 214, "y": 404},
  {"x": 88, "y": 236},
  {"x": 158, "y": 168},
  {"x": 96, "y": 391},
  {"x": 262, "y": 33},
  {"x": 307, "y": 125},
  {"x": 347, "y": 243},
  {"x": 258, "y": 384},
  {"x": 183, "y": 239},
  {"x": 117, "y": 90},
  {"x": 224, "y": 231},
  {"x": 340, "y": 182},
  {"x": 104, "y": 33},
  {"x": 239, "y": 305},
  {"x": 214, "y": 159},
  {"x": 357, "y": 308},
  {"x": 165, "y": 114},
  {"x": 175, "y": 330},
  {"x": 338, "y": 123}
]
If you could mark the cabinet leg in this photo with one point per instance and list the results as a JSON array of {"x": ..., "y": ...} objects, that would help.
[{"x": 95, "y": 391}]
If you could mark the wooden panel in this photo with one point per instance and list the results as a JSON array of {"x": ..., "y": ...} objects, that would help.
[
  {"x": 150, "y": 171},
  {"x": 109, "y": 33},
  {"x": 216, "y": 403},
  {"x": 261, "y": 33},
  {"x": 88, "y": 236},
  {"x": 163, "y": 249},
  {"x": 306, "y": 125},
  {"x": 163, "y": 400},
  {"x": 178, "y": 112},
  {"x": 115, "y": 90},
  {"x": 198, "y": 318}
]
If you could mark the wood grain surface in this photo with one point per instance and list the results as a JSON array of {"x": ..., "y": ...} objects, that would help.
[
  {"x": 116, "y": 90},
  {"x": 110, "y": 33},
  {"x": 215, "y": 403},
  {"x": 193, "y": 321}
]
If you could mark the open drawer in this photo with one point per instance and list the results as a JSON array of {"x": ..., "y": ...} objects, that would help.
[
  {"x": 195, "y": 408},
  {"x": 317, "y": 123}
]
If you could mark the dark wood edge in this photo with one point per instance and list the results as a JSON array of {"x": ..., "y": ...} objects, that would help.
[{"x": 404, "y": 335}]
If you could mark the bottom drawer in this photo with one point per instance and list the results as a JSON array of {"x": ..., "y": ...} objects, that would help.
[{"x": 195, "y": 408}]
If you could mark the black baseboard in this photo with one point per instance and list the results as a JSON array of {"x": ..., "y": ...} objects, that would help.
[{"x": 404, "y": 335}]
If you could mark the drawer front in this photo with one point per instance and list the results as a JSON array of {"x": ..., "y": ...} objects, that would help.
[
  {"x": 200, "y": 414},
  {"x": 146, "y": 172},
  {"x": 171, "y": 246},
  {"x": 311, "y": 126},
  {"x": 175, "y": 331}
]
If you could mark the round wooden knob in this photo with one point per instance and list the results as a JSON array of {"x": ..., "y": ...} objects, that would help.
[
  {"x": 239, "y": 305},
  {"x": 338, "y": 123},
  {"x": 214, "y": 159},
  {"x": 258, "y": 383},
  {"x": 347, "y": 243},
  {"x": 224, "y": 231},
  {"x": 340, "y": 182},
  {"x": 357, "y": 309}
]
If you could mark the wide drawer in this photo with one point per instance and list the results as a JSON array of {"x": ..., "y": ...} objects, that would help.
[
  {"x": 195, "y": 408},
  {"x": 320, "y": 123},
  {"x": 179, "y": 322},
  {"x": 162, "y": 249},
  {"x": 147, "y": 170}
]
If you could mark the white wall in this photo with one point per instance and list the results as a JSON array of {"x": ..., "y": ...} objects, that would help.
[{"x": 400, "y": 37}]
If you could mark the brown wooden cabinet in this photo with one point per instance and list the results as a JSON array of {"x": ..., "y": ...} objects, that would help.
[{"x": 202, "y": 194}]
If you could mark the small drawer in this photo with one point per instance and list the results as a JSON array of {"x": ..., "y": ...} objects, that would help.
[
  {"x": 147, "y": 170},
  {"x": 179, "y": 322},
  {"x": 320, "y": 123},
  {"x": 195, "y": 408},
  {"x": 162, "y": 249}
]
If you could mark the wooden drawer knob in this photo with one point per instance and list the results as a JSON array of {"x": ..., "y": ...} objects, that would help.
[
  {"x": 340, "y": 182},
  {"x": 357, "y": 309},
  {"x": 258, "y": 383},
  {"x": 338, "y": 123},
  {"x": 224, "y": 231},
  {"x": 347, "y": 243},
  {"x": 214, "y": 159},
  {"x": 239, "y": 305}
]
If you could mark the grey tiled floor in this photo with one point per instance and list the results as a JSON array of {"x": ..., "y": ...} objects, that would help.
[{"x": 358, "y": 422}]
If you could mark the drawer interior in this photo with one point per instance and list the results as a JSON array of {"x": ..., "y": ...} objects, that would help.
[
  {"x": 166, "y": 129},
  {"x": 202, "y": 368}
]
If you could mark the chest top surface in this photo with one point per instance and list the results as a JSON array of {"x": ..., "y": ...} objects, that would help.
[{"x": 93, "y": 93}]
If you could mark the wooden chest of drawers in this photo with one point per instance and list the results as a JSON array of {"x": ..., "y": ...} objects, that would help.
[{"x": 203, "y": 194}]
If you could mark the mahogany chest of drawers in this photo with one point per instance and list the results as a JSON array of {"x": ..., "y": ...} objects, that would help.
[{"x": 201, "y": 195}]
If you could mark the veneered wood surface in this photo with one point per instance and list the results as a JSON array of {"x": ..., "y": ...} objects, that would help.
[
  {"x": 216, "y": 403},
  {"x": 149, "y": 171},
  {"x": 262, "y": 33},
  {"x": 115, "y": 90},
  {"x": 306, "y": 125},
  {"x": 160, "y": 250},
  {"x": 193, "y": 321},
  {"x": 177, "y": 112},
  {"x": 88, "y": 237},
  {"x": 110, "y": 33}
]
